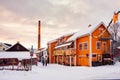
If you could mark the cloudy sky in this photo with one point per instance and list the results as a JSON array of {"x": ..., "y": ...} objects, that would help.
[{"x": 19, "y": 18}]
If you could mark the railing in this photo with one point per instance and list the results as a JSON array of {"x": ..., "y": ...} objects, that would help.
[{"x": 70, "y": 51}]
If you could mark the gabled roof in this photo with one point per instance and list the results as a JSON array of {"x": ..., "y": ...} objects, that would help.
[
  {"x": 87, "y": 31},
  {"x": 17, "y": 47}
]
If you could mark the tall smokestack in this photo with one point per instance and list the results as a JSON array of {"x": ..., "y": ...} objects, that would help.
[{"x": 39, "y": 39}]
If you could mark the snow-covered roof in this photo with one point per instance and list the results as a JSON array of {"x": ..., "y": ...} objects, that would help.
[
  {"x": 60, "y": 37},
  {"x": 52, "y": 41},
  {"x": 68, "y": 34},
  {"x": 19, "y": 55},
  {"x": 118, "y": 47},
  {"x": 87, "y": 31},
  {"x": 66, "y": 44},
  {"x": 44, "y": 49},
  {"x": 4, "y": 44}
]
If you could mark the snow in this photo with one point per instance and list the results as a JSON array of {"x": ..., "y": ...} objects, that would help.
[
  {"x": 118, "y": 47},
  {"x": 54, "y": 40},
  {"x": 87, "y": 31},
  {"x": 19, "y": 55},
  {"x": 66, "y": 44},
  {"x": 60, "y": 72}
]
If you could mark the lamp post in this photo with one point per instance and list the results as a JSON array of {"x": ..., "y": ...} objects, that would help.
[{"x": 31, "y": 55}]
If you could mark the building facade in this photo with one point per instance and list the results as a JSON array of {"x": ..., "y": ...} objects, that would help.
[{"x": 90, "y": 47}]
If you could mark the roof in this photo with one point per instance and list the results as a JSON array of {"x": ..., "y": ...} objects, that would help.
[
  {"x": 8, "y": 44},
  {"x": 54, "y": 40},
  {"x": 5, "y": 45},
  {"x": 19, "y": 55},
  {"x": 43, "y": 49},
  {"x": 66, "y": 44},
  {"x": 17, "y": 47},
  {"x": 87, "y": 31}
]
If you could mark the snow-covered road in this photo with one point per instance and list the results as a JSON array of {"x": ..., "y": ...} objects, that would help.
[{"x": 60, "y": 72}]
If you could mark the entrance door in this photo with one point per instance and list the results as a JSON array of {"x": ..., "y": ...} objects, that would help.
[{"x": 104, "y": 47}]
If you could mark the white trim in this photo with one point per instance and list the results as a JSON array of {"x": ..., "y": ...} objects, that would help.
[
  {"x": 100, "y": 45},
  {"x": 83, "y": 45},
  {"x": 87, "y": 45},
  {"x": 98, "y": 26},
  {"x": 90, "y": 57},
  {"x": 75, "y": 52},
  {"x": 57, "y": 59}
]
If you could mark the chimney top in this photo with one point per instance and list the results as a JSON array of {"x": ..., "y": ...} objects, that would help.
[{"x": 89, "y": 25}]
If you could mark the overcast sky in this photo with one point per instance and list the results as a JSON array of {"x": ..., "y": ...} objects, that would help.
[{"x": 19, "y": 18}]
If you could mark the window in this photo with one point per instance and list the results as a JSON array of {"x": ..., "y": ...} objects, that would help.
[
  {"x": 98, "y": 45},
  {"x": 85, "y": 46},
  {"x": 80, "y": 46},
  {"x": 94, "y": 55}
]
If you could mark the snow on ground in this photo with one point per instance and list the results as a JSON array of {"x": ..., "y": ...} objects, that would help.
[{"x": 60, "y": 72}]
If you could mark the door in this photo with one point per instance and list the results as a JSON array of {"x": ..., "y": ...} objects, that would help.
[{"x": 104, "y": 47}]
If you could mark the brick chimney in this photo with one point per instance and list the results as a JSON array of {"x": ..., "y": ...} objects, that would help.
[{"x": 39, "y": 37}]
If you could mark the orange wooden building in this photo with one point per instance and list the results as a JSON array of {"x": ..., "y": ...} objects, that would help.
[{"x": 89, "y": 47}]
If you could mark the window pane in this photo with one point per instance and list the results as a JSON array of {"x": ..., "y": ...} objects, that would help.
[
  {"x": 85, "y": 46},
  {"x": 80, "y": 46},
  {"x": 98, "y": 45}
]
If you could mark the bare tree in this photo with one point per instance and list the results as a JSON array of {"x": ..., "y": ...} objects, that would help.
[{"x": 114, "y": 30}]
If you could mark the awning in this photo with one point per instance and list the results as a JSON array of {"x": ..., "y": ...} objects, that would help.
[{"x": 63, "y": 45}]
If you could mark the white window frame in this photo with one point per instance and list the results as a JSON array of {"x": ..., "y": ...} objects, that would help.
[
  {"x": 97, "y": 46},
  {"x": 84, "y": 46},
  {"x": 79, "y": 46}
]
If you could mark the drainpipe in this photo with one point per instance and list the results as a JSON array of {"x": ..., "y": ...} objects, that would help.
[{"x": 90, "y": 56}]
